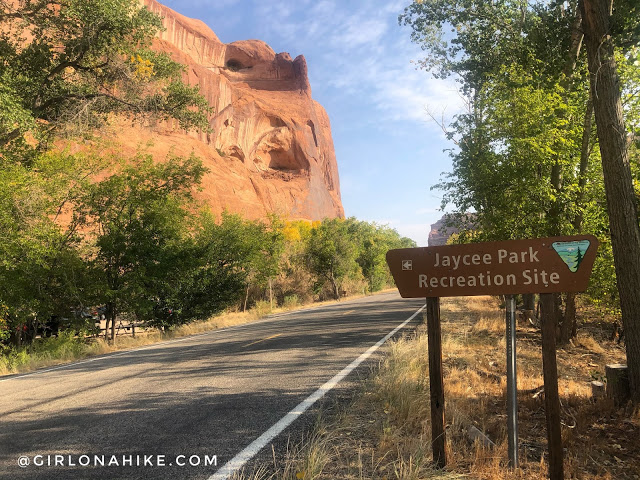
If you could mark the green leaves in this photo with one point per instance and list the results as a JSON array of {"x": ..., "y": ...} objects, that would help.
[
  {"x": 339, "y": 249},
  {"x": 39, "y": 262},
  {"x": 67, "y": 65},
  {"x": 525, "y": 161}
]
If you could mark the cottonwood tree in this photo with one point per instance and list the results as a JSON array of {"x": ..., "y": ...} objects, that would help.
[
  {"x": 516, "y": 162},
  {"x": 65, "y": 68},
  {"x": 524, "y": 156},
  {"x": 41, "y": 269},
  {"x": 208, "y": 269},
  {"x": 538, "y": 157},
  {"x": 598, "y": 26},
  {"x": 331, "y": 254},
  {"x": 135, "y": 221},
  {"x": 372, "y": 242},
  {"x": 69, "y": 64}
]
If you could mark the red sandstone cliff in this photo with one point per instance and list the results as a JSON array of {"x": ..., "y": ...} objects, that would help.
[{"x": 271, "y": 148}]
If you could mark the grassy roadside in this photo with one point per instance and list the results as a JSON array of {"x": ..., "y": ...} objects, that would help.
[
  {"x": 67, "y": 348},
  {"x": 384, "y": 433}
]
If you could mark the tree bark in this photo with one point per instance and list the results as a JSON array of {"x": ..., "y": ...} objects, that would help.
[
  {"x": 529, "y": 307},
  {"x": 585, "y": 153},
  {"x": 621, "y": 202},
  {"x": 107, "y": 319},
  {"x": 246, "y": 299},
  {"x": 334, "y": 286},
  {"x": 110, "y": 319},
  {"x": 568, "y": 328},
  {"x": 106, "y": 329}
]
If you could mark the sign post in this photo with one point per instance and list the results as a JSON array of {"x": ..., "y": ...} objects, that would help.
[
  {"x": 512, "y": 383},
  {"x": 436, "y": 382},
  {"x": 551, "y": 396},
  {"x": 542, "y": 265}
]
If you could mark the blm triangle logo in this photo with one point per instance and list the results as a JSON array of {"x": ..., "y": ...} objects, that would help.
[{"x": 572, "y": 253}]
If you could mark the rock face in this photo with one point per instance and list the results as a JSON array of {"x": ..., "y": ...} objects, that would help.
[
  {"x": 441, "y": 231},
  {"x": 439, "y": 234},
  {"x": 271, "y": 148}
]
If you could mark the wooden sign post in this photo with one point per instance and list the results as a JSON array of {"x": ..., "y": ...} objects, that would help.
[
  {"x": 512, "y": 382},
  {"x": 436, "y": 383},
  {"x": 543, "y": 265},
  {"x": 551, "y": 395}
]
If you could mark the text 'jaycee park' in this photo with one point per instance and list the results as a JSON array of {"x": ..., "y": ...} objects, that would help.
[
  {"x": 528, "y": 276},
  {"x": 544, "y": 265}
]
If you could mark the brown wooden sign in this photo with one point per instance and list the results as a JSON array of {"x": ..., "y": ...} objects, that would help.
[{"x": 542, "y": 265}]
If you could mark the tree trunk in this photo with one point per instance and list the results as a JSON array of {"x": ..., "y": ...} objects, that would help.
[
  {"x": 246, "y": 299},
  {"x": 597, "y": 389},
  {"x": 334, "y": 285},
  {"x": 529, "y": 307},
  {"x": 621, "y": 203},
  {"x": 529, "y": 301},
  {"x": 585, "y": 153},
  {"x": 568, "y": 328},
  {"x": 110, "y": 319}
]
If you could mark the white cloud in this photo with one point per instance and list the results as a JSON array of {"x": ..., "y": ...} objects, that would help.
[
  {"x": 357, "y": 31},
  {"x": 368, "y": 57}
]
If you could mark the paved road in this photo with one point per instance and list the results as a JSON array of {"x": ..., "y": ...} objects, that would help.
[{"x": 206, "y": 395}]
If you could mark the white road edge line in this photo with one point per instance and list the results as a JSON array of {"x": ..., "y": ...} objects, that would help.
[{"x": 237, "y": 462}]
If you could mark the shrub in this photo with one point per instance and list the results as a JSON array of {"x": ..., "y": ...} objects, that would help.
[
  {"x": 262, "y": 308},
  {"x": 290, "y": 302}
]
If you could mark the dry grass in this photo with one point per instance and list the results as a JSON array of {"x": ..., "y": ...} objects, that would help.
[
  {"x": 302, "y": 461},
  {"x": 385, "y": 433}
]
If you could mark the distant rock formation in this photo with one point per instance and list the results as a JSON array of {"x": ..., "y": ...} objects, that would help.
[
  {"x": 441, "y": 231},
  {"x": 271, "y": 148}
]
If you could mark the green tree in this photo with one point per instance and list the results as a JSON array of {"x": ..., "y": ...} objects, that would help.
[
  {"x": 41, "y": 270},
  {"x": 209, "y": 270},
  {"x": 135, "y": 220},
  {"x": 491, "y": 49},
  {"x": 66, "y": 65},
  {"x": 267, "y": 259},
  {"x": 247, "y": 251},
  {"x": 523, "y": 157},
  {"x": 372, "y": 242},
  {"x": 614, "y": 149},
  {"x": 331, "y": 253}
]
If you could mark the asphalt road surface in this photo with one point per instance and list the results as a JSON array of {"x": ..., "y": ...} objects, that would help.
[{"x": 185, "y": 408}]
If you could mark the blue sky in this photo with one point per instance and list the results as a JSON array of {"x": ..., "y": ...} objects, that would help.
[{"x": 360, "y": 68}]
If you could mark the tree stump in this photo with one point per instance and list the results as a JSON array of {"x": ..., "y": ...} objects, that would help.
[
  {"x": 618, "y": 383},
  {"x": 597, "y": 389}
]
